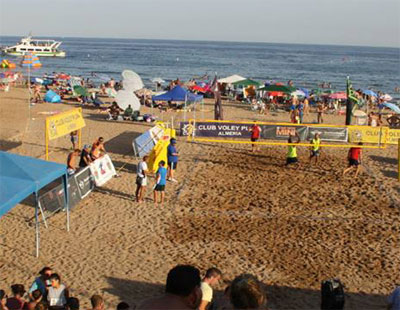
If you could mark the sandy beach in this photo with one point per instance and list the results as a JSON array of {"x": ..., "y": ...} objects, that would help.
[{"x": 238, "y": 211}]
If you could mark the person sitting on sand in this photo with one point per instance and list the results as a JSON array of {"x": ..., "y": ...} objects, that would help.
[
  {"x": 212, "y": 277},
  {"x": 161, "y": 181},
  {"x": 255, "y": 135},
  {"x": 98, "y": 149},
  {"x": 246, "y": 292},
  {"x": 71, "y": 161},
  {"x": 291, "y": 157},
  {"x": 354, "y": 157},
  {"x": 182, "y": 290},
  {"x": 141, "y": 179},
  {"x": 315, "y": 148},
  {"x": 113, "y": 111},
  {"x": 128, "y": 113},
  {"x": 86, "y": 159}
]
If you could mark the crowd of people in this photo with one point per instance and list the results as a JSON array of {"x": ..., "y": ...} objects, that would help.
[{"x": 184, "y": 289}]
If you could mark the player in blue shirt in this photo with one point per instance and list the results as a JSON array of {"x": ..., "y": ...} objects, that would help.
[
  {"x": 172, "y": 154},
  {"x": 161, "y": 180}
]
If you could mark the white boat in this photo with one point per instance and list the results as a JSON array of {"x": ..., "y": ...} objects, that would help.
[{"x": 38, "y": 47}]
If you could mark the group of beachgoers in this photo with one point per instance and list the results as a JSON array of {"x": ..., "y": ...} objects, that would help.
[
  {"x": 87, "y": 155},
  {"x": 184, "y": 289},
  {"x": 354, "y": 156}
]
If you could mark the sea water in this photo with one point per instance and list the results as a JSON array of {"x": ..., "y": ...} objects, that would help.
[{"x": 376, "y": 68}]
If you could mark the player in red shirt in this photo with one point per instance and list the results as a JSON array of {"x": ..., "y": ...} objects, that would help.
[
  {"x": 354, "y": 157},
  {"x": 255, "y": 135}
]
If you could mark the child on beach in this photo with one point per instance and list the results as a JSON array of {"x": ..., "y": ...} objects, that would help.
[
  {"x": 291, "y": 157},
  {"x": 161, "y": 181},
  {"x": 315, "y": 148}
]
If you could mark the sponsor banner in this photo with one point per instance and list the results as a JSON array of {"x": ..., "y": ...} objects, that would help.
[
  {"x": 239, "y": 130},
  {"x": 63, "y": 123},
  {"x": 339, "y": 134},
  {"x": 79, "y": 186},
  {"x": 84, "y": 181},
  {"x": 102, "y": 170},
  {"x": 143, "y": 144},
  {"x": 368, "y": 134},
  {"x": 393, "y": 136}
]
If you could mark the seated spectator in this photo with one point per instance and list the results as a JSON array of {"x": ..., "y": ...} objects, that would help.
[
  {"x": 71, "y": 161},
  {"x": 73, "y": 303},
  {"x": 40, "y": 282},
  {"x": 16, "y": 302},
  {"x": 58, "y": 294},
  {"x": 128, "y": 112},
  {"x": 246, "y": 292},
  {"x": 182, "y": 290},
  {"x": 36, "y": 297},
  {"x": 113, "y": 112},
  {"x": 3, "y": 300},
  {"x": 123, "y": 306},
  {"x": 97, "y": 302},
  {"x": 86, "y": 159}
]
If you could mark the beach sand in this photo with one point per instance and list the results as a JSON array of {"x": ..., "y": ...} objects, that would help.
[{"x": 241, "y": 212}]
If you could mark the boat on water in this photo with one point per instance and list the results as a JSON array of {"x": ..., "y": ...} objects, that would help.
[{"x": 38, "y": 47}]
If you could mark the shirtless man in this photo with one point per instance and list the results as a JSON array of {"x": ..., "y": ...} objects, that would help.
[
  {"x": 98, "y": 148},
  {"x": 71, "y": 161}
]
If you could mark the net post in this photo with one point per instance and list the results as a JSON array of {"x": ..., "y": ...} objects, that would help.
[{"x": 47, "y": 139}]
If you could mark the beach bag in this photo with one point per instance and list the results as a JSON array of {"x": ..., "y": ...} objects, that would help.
[{"x": 332, "y": 294}]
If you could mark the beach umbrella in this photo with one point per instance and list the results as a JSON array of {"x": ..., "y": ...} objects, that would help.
[
  {"x": 339, "y": 95},
  {"x": 157, "y": 80},
  {"x": 392, "y": 107},
  {"x": 298, "y": 93},
  {"x": 386, "y": 97},
  {"x": 198, "y": 88},
  {"x": 279, "y": 88},
  {"x": 31, "y": 61},
  {"x": 81, "y": 91},
  {"x": 369, "y": 92},
  {"x": 62, "y": 76},
  {"x": 246, "y": 83},
  {"x": 276, "y": 94},
  {"x": 131, "y": 80},
  {"x": 305, "y": 91}
]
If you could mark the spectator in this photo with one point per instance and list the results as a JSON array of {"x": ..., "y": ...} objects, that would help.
[
  {"x": 212, "y": 277},
  {"x": 123, "y": 306},
  {"x": 246, "y": 292},
  {"x": 36, "y": 297},
  {"x": 3, "y": 300},
  {"x": 141, "y": 179},
  {"x": 58, "y": 294},
  {"x": 97, "y": 148},
  {"x": 97, "y": 302},
  {"x": 394, "y": 299},
  {"x": 40, "y": 282},
  {"x": 73, "y": 303},
  {"x": 182, "y": 290},
  {"x": 16, "y": 302},
  {"x": 85, "y": 156},
  {"x": 71, "y": 161},
  {"x": 74, "y": 138},
  {"x": 161, "y": 181},
  {"x": 172, "y": 159}
]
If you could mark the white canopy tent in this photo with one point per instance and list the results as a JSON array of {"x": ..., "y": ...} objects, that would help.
[{"x": 231, "y": 79}]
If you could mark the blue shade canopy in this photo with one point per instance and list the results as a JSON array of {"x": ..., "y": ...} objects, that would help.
[
  {"x": 369, "y": 92},
  {"x": 392, "y": 107},
  {"x": 21, "y": 176},
  {"x": 178, "y": 93}
]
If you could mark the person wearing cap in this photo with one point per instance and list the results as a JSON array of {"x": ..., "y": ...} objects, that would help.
[
  {"x": 86, "y": 159},
  {"x": 172, "y": 159}
]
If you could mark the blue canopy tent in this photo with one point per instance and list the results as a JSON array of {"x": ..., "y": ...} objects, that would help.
[
  {"x": 178, "y": 93},
  {"x": 22, "y": 176}
]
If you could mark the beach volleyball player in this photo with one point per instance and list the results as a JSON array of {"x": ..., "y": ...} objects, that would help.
[{"x": 255, "y": 136}]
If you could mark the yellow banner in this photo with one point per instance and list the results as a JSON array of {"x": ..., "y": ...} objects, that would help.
[
  {"x": 62, "y": 124},
  {"x": 393, "y": 136},
  {"x": 368, "y": 134}
]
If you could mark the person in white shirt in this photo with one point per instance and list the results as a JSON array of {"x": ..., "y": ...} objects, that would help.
[
  {"x": 57, "y": 294},
  {"x": 212, "y": 277},
  {"x": 141, "y": 179}
]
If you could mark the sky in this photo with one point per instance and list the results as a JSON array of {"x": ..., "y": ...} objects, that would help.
[{"x": 339, "y": 22}]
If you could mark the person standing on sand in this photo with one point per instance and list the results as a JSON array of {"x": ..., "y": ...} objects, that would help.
[
  {"x": 182, "y": 290},
  {"x": 71, "y": 161},
  {"x": 291, "y": 157},
  {"x": 212, "y": 277},
  {"x": 74, "y": 138},
  {"x": 315, "y": 148},
  {"x": 255, "y": 136},
  {"x": 354, "y": 158},
  {"x": 97, "y": 148},
  {"x": 161, "y": 181},
  {"x": 306, "y": 106},
  {"x": 141, "y": 179},
  {"x": 320, "y": 112},
  {"x": 172, "y": 155}
]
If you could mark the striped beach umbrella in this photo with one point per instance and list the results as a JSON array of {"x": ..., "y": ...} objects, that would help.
[{"x": 31, "y": 61}]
